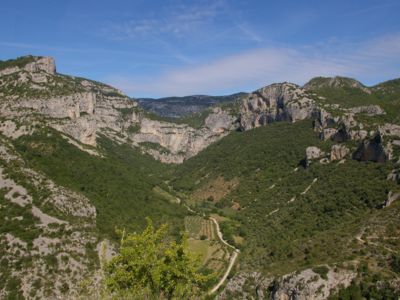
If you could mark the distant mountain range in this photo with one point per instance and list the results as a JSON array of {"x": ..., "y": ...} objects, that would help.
[{"x": 176, "y": 107}]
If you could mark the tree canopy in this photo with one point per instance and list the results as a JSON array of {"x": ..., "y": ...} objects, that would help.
[{"x": 148, "y": 265}]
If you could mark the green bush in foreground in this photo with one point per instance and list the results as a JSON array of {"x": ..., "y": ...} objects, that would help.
[{"x": 149, "y": 266}]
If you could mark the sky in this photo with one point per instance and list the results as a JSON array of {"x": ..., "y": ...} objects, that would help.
[{"x": 159, "y": 48}]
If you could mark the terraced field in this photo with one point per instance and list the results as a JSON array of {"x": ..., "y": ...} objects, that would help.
[
  {"x": 199, "y": 228},
  {"x": 203, "y": 241}
]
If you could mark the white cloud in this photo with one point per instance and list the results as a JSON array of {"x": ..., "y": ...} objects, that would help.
[
  {"x": 367, "y": 61},
  {"x": 178, "y": 21}
]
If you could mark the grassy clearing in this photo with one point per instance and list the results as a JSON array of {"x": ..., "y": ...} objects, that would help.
[{"x": 166, "y": 195}]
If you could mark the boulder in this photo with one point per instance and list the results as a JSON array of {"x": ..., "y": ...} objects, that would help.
[
  {"x": 357, "y": 135},
  {"x": 313, "y": 152},
  {"x": 338, "y": 152},
  {"x": 327, "y": 133}
]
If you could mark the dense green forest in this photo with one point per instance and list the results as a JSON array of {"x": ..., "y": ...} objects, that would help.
[{"x": 120, "y": 184}]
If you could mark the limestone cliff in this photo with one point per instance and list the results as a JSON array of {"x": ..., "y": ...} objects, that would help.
[
  {"x": 276, "y": 102},
  {"x": 83, "y": 109}
]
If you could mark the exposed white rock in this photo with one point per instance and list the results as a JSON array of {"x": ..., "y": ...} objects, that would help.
[
  {"x": 15, "y": 192},
  {"x": 179, "y": 141},
  {"x": 394, "y": 175},
  {"x": 283, "y": 101},
  {"x": 310, "y": 285},
  {"x": 391, "y": 198},
  {"x": 328, "y": 133},
  {"x": 11, "y": 130},
  {"x": 313, "y": 152},
  {"x": 390, "y": 129},
  {"x": 219, "y": 121},
  {"x": 370, "y": 110},
  {"x": 338, "y": 152},
  {"x": 45, "y": 64},
  {"x": 358, "y": 134},
  {"x": 295, "y": 286}
]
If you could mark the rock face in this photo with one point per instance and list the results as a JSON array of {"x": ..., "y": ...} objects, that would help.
[
  {"x": 277, "y": 102},
  {"x": 310, "y": 285},
  {"x": 38, "y": 64},
  {"x": 295, "y": 286},
  {"x": 219, "y": 121},
  {"x": 371, "y": 150},
  {"x": 88, "y": 109},
  {"x": 179, "y": 141},
  {"x": 339, "y": 152},
  {"x": 45, "y": 64}
]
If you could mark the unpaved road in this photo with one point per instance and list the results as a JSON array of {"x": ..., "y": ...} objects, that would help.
[{"x": 231, "y": 262}]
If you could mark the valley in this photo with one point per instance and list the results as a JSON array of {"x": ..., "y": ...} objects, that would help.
[{"x": 289, "y": 190}]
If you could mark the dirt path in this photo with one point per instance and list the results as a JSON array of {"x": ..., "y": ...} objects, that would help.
[
  {"x": 233, "y": 257},
  {"x": 228, "y": 270},
  {"x": 231, "y": 262}
]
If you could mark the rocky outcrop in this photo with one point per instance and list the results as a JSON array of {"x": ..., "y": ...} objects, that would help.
[
  {"x": 338, "y": 152},
  {"x": 310, "y": 285},
  {"x": 390, "y": 129},
  {"x": 276, "y": 102},
  {"x": 394, "y": 175},
  {"x": 370, "y": 110},
  {"x": 45, "y": 64},
  {"x": 391, "y": 198},
  {"x": 178, "y": 142},
  {"x": 303, "y": 285},
  {"x": 371, "y": 150},
  {"x": 357, "y": 135},
  {"x": 322, "y": 120},
  {"x": 37, "y": 64},
  {"x": 313, "y": 152}
]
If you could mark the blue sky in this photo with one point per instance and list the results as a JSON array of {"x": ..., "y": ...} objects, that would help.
[{"x": 174, "y": 47}]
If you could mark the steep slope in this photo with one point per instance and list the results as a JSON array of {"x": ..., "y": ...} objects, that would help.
[
  {"x": 48, "y": 232},
  {"x": 301, "y": 204}
]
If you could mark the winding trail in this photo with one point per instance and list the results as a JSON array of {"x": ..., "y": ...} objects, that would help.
[
  {"x": 233, "y": 257},
  {"x": 231, "y": 262}
]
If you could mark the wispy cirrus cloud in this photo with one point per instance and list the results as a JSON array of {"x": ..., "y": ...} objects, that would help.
[
  {"x": 178, "y": 21},
  {"x": 366, "y": 61}
]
